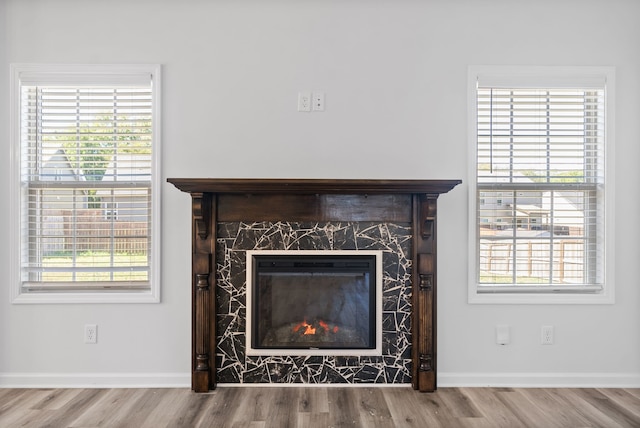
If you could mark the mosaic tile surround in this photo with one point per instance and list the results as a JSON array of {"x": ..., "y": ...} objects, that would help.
[{"x": 233, "y": 239}]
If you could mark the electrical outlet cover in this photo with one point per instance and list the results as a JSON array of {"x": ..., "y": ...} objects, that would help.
[
  {"x": 318, "y": 101},
  {"x": 90, "y": 333},
  {"x": 547, "y": 335},
  {"x": 503, "y": 336},
  {"x": 304, "y": 101}
]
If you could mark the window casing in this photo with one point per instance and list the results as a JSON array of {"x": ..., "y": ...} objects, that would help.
[
  {"x": 541, "y": 149},
  {"x": 86, "y": 183}
]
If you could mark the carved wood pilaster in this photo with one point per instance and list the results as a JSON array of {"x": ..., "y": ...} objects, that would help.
[
  {"x": 202, "y": 311},
  {"x": 203, "y": 294},
  {"x": 424, "y": 292},
  {"x": 200, "y": 215}
]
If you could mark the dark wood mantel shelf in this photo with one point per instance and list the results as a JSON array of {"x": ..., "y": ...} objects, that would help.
[
  {"x": 217, "y": 200},
  {"x": 311, "y": 186}
]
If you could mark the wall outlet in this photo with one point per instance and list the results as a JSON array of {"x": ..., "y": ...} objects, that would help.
[
  {"x": 547, "y": 335},
  {"x": 503, "y": 335},
  {"x": 90, "y": 333},
  {"x": 317, "y": 101},
  {"x": 304, "y": 101}
]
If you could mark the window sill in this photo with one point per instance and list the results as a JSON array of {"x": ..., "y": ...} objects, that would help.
[
  {"x": 86, "y": 297},
  {"x": 541, "y": 298}
]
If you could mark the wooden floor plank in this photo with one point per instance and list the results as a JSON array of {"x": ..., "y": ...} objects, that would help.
[
  {"x": 372, "y": 407},
  {"x": 190, "y": 411},
  {"x": 27, "y": 418},
  {"x": 109, "y": 410},
  {"x": 527, "y": 411},
  {"x": 9, "y": 398},
  {"x": 493, "y": 410},
  {"x": 75, "y": 408},
  {"x": 252, "y": 406},
  {"x": 625, "y": 398},
  {"x": 55, "y": 399},
  {"x": 635, "y": 392},
  {"x": 402, "y": 404},
  {"x": 320, "y": 407},
  {"x": 144, "y": 406},
  {"x": 459, "y": 403},
  {"x": 616, "y": 410},
  {"x": 313, "y": 419},
  {"x": 313, "y": 400},
  {"x": 223, "y": 405},
  {"x": 591, "y": 413},
  {"x": 555, "y": 406},
  {"x": 343, "y": 409},
  {"x": 168, "y": 405},
  {"x": 283, "y": 409}
]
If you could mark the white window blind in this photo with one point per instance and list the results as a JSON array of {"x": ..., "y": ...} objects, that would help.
[
  {"x": 540, "y": 187},
  {"x": 86, "y": 174}
]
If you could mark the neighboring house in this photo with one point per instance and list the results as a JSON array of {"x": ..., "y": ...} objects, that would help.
[
  {"x": 57, "y": 203},
  {"x": 118, "y": 204},
  {"x": 53, "y": 198},
  {"x": 568, "y": 218},
  {"x": 496, "y": 207},
  {"x": 533, "y": 210},
  {"x": 535, "y": 214}
]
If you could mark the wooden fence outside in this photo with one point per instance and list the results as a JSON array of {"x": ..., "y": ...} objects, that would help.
[
  {"x": 89, "y": 230},
  {"x": 531, "y": 259}
]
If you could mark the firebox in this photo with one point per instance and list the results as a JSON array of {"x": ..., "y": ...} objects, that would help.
[{"x": 314, "y": 302}]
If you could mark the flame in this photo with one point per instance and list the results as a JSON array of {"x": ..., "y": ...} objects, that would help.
[{"x": 310, "y": 329}]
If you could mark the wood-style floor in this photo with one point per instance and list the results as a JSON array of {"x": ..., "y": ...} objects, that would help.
[{"x": 320, "y": 407}]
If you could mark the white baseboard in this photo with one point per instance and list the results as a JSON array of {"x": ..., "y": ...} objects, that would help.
[
  {"x": 447, "y": 379},
  {"x": 540, "y": 380},
  {"x": 95, "y": 380}
]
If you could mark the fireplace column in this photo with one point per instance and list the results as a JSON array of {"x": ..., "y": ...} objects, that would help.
[
  {"x": 424, "y": 292},
  {"x": 203, "y": 292}
]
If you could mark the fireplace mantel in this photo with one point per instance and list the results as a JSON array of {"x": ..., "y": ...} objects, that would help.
[{"x": 250, "y": 200}]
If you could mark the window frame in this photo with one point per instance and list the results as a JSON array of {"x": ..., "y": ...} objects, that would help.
[
  {"x": 83, "y": 74},
  {"x": 549, "y": 76}
]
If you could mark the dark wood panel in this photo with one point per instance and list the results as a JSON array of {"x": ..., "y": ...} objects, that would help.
[{"x": 261, "y": 207}]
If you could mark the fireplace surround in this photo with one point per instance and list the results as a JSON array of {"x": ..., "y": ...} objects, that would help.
[{"x": 233, "y": 216}]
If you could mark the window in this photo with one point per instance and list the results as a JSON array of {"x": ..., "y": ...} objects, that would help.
[
  {"x": 85, "y": 181},
  {"x": 542, "y": 149}
]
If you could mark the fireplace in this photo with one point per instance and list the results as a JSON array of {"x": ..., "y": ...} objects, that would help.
[
  {"x": 232, "y": 217},
  {"x": 314, "y": 303}
]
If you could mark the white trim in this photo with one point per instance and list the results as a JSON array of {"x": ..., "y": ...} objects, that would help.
[
  {"x": 87, "y": 297},
  {"x": 89, "y": 74},
  {"x": 95, "y": 380},
  {"x": 445, "y": 380},
  {"x": 314, "y": 385},
  {"x": 108, "y": 74},
  {"x": 543, "y": 75},
  {"x": 540, "y": 76},
  {"x": 156, "y": 184},
  {"x": 540, "y": 380},
  {"x": 377, "y": 351}
]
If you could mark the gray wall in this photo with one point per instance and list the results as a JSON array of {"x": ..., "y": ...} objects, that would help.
[{"x": 394, "y": 74}]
